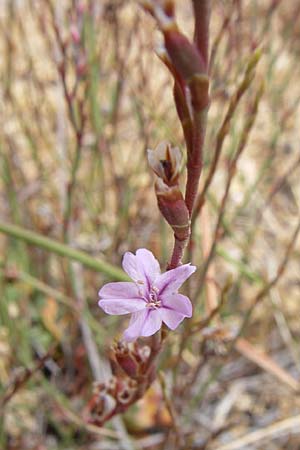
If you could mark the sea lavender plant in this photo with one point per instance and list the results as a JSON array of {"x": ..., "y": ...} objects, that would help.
[{"x": 152, "y": 298}]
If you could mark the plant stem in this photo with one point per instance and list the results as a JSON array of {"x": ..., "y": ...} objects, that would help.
[
  {"x": 53, "y": 246},
  {"x": 201, "y": 35},
  {"x": 194, "y": 165},
  {"x": 178, "y": 250}
]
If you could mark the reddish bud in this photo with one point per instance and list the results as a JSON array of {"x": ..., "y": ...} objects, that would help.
[
  {"x": 184, "y": 55},
  {"x": 131, "y": 358},
  {"x": 173, "y": 207},
  {"x": 126, "y": 359}
]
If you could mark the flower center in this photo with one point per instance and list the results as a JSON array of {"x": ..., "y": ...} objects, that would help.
[{"x": 153, "y": 301}]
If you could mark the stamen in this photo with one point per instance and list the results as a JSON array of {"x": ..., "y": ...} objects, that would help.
[
  {"x": 153, "y": 301},
  {"x": 154, "y": 305}
]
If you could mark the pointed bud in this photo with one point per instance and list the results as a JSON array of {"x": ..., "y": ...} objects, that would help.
[
  {"x": 165, "y": 161},
  {"x": 173, "y": 207},
  {"x": 184, "y": 55}
]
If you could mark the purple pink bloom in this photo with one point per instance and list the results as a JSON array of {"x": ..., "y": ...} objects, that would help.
[{"x": 152, "y": 298}]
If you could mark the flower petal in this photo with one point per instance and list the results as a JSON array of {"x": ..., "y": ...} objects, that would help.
[
  {"x": 171, "y": 318},
  {"x": 148, "y": 265},
  {"x": 177, "y": 302},
  {"x": 120, "y": 289},
  {"x": 129, "y": 264},
  {"x": 171, "y": 280},
  {"x": 121, "y": 298},
  {"x": 142, "y": 268},
  {"x": 122, "y": 306},
  {"x": 143, "y": 323},
  {"x": 152, "y": 324},
  {"x": 135, "y": 325}
]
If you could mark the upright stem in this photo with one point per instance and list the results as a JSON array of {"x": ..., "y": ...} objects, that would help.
[
  {"x": 195, "y": 160},
  {"x": 194, "y": 168},
  {"x": 195, "y": 128},
  {"x": 201, "y": 35},
  {"x": 178, "y": 250}
]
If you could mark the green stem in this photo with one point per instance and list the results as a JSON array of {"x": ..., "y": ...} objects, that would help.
[
  {"x": 39, "y": 286},
  {"x": 53, "y": 246}
]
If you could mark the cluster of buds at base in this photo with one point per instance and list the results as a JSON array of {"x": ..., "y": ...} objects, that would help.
[
  {"x": 165, "y": 161},
  {"x": 133, "y": 370},
  {"x": 110, "y": 398}
]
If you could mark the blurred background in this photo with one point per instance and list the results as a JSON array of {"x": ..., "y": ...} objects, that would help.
[{"x": 82, "y": 97}]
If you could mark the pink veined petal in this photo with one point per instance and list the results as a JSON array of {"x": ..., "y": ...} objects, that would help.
[
  {"x": 129, "y": 264},
  {"x": 177, "y": 302},
  {"x": 119, "y": 289},
  {"x": 143, "y": 323},
  {"x": 171, "y": 280},
  {"x": 122, "y": 306},
  {"x": 120, "y": 298},
  {"x": 148, "y": 265},
  {"x": 170, "y": 317},
  {"x": 135, "y": 325},
  {"x": 152, "y": 323}
]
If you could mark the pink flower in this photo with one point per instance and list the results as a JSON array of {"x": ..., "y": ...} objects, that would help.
[{"x": 153, "y": 298}]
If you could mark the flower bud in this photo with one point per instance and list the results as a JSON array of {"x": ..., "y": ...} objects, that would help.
[
  {"x": 165, "y": 161},
  {"x": 173, "y": 207},
  {"x": 184, "y": 55},
  {"x": 126, "y": 359}
]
